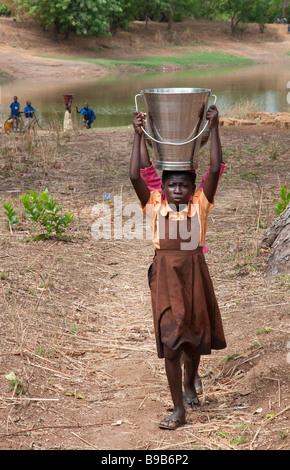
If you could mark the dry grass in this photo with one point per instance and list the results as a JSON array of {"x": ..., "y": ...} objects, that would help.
[
  {"x": 76, "y": 318},
  {"x": 242, "y": 110}
]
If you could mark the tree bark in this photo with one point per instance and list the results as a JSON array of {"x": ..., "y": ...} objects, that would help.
[
  {"x": 146, "y": 20},
  {"x": 234, "y": 23},
  {"x": 285, "y": 4},
  {"x": 277, "y": 237},
  {"x": 55, "y": 31},
  {"x": 170, "y": 21}
]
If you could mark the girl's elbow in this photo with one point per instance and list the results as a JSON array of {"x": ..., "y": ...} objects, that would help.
[
  {"x": 215, "y": 169},
  {"x": 134, "y": 177}
]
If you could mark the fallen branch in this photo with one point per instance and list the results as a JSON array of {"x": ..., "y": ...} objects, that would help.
[
  {"x": 28, "y": 399},
  {"x": 91, "y": 445},
  {"x": 57, "y": 426}
]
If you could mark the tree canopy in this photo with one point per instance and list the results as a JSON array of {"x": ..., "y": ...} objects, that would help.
[
  {"x": 99, "y": 17},
  {"x": 246, "y": 11},
  {"x": 86, "y": 17}
]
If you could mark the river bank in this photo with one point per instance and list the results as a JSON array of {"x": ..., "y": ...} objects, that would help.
[{"x": 22, "y": 43}]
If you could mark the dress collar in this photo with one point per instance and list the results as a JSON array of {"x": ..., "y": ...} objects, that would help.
[{"x": 187, "y": 211}]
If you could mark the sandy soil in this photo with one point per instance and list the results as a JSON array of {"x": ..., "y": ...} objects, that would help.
[
  {"x": 21, "y": 42},
  {"x": 76, "y": 326}
]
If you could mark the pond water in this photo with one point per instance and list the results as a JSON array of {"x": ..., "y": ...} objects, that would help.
[{"x": 113, "y": 98}]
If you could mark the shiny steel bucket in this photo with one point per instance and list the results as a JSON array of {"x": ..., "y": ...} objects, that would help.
[{"x": 176, "y": 123}]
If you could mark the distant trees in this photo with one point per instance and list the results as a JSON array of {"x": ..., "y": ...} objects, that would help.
[
  {"x": 85, "y": 17},
  {"x": 163, "y": 10},
  {"x": 247, "y": 11},
  {"x": 53, "y": 13},
  {"x": 242, "y": 11},
  {"x": 263, "y": 12},
  {"x": 99, "y": 17},
  {"x": 88, "y": 17},
  {"x": 178, "y": 9},
  {"x": 238, "y": 11}
]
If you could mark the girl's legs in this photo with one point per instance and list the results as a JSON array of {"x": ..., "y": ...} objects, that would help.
[
  {"x": 191, "y": 364},
  {"x": 198, "y": 384},
  {"x": 174, "y": 377},
  {"x": 197, "y": 380}
]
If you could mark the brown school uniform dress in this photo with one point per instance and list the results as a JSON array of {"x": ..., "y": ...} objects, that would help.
[{"x": 185, "y": 310}]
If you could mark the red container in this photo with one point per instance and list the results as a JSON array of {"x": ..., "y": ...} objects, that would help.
[{"x": 67, "y": 98}]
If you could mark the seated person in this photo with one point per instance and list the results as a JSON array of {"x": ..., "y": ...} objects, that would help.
[{"x": 29, "y": 110}]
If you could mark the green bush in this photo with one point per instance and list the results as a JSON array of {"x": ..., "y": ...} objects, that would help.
[
  {"x": 283, "y": 203},
  {"x": 44, "y": 211},
  {"x": 11, "y": 214},
  {"x": 5, "y": 9}
]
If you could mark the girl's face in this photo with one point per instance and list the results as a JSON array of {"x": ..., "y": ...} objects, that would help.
[{"x": 178, "y": 189}]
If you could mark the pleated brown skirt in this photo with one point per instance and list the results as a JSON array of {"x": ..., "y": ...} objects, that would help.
[{"x": 185, "y": 310}]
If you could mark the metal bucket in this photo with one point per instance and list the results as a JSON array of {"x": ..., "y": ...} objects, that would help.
[{"x": 176, "y": 123}]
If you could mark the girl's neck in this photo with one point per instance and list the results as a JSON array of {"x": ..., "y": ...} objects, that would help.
[{"x": 177, "y": 207}]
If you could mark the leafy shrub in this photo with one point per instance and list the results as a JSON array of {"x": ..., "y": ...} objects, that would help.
[
  {"x": 283, "y": 203},
  {"x": 11, "y": 214},
  {"x": 44, "y": 211},
  {"x": 5, "y": 9}
]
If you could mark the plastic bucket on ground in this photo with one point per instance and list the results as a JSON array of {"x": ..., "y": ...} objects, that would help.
[
  {"x": 176, "y": 123},
  {"x": 8, "y": 125}
]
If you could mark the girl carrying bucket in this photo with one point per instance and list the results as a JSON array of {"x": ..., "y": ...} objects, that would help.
[
  {"x": 154, "y": 182},
  {"x": 151, "y": 178},
  {"x": 186, "y": 316}
]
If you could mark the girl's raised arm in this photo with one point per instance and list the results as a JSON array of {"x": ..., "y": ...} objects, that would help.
[
  {"x": 137, "y": 181},
  {"x": 211, "y": 182}
]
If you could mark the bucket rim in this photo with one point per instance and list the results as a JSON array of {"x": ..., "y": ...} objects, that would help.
[{"x": 175, "y": 90}]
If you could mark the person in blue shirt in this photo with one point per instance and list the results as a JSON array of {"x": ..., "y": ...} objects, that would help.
[
  {"x": 15, "y": 107},
  {"x": 28, "y": 113},
  {"x": 28, "y": 110},
  {"x": 88, "y": 113}
]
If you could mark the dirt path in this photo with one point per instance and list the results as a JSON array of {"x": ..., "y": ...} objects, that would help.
[
  {"x": 22, "y": 64},
  {"x": 76, "y": 318}
]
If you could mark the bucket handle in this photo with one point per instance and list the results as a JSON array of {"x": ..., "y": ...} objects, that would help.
[{"x": 173, "y": 143}]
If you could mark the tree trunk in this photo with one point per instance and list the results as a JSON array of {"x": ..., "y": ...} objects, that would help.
[
  {"x": 146, "y": 21},
  {"x": 55, "y": 31},
  {"x": 234, "y": 23},
  {"x": 262, "y": 27},
  {"x": 170, "y": 22},
  {"x": 277, "y": 237},
  {"x": 285, "y": 4}
]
